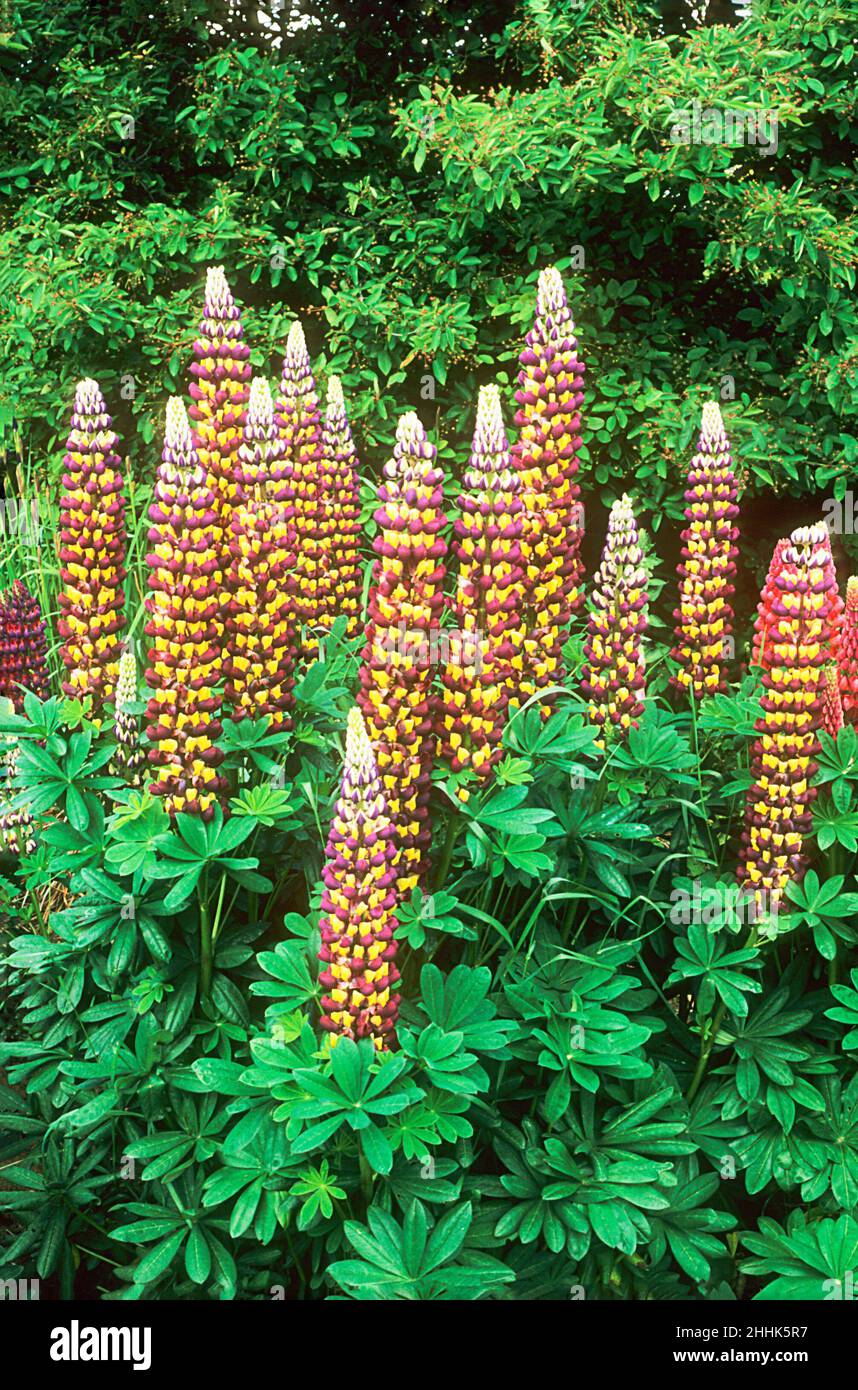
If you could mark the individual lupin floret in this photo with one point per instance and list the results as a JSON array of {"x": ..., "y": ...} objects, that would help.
[
  {"x": 299, "y": 425},
  {"x": 186, "y": 628},
  {"x": 260, "y": 651},
  {"x": 704, "y": 617},
  {"x": 549, "y": 396},
  {"x": 92, "y": 551},
  {"x": 613, "y": 676},
  {"x": 779, "y": 800},
  {"x": 221, "y": 374},
  {"x": 357, "y": 924},
  {"x": 129, "y": 759},
  {"x": 483, "y": 649},
  {"x": 405, "y": 604},
  {"x": 847, "y": 657},
  {"x": 341, "y": 503},
  {"x": 23, "y": 646}
]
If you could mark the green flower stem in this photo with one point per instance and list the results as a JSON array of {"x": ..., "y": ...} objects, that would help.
[
  {"x": 365, "y": 1180},
  {"x": 453, "y": 826},
  {"x": 216, "y": 926},
  {"x": 206, "y": 942},
  {"x": 706, "y": 1046}
]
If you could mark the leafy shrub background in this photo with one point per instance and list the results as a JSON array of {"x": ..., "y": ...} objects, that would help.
[
  {"x": 396, "y": 175},
  {"x": 592, "y": 1094}
]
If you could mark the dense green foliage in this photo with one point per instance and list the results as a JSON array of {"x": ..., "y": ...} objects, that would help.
[
  {"x": 609, "y": 1083},
  {"x": 400, "y": 176}
]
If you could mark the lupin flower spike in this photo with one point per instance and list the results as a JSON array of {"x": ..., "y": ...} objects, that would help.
[
  {"x": 405, "y": 604},
  {"x": 549, "y": 396},
  {"x": 260, "y": 651},
  {"x": 185, "y": 625},
  {"x": 341, "y": 497},
  {"x": 23, "y": 647},
  {"x": 16, "y": 827},
  {"x": 764, "y": 621},
  {"x": 779, "y": 800},
  {"x": 92, "y": 551},
  {"x": 848, "y": 653},
  {"x": 221, "y": 374},
  {"x": 483, "y": 649},
  {"x": 704, "y": 617},
  {"x": 300, "y": 429},
  {"x": 832, "y": 708},
  {"x": 612, "y": 678},
  {"x": 130, "y": 758},
  {"x": 357, "y": 922}
]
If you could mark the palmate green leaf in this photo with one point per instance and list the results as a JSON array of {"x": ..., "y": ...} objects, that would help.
[
  {"x": 198, "y": 1257},
  {"x": 704, "y": 955},
  {"x": 846, "y": 1010},
  {"x": 687, "y": 1227},
  {"x": 812, "y": 1260},
  {"x": 413, "y": 1260}
]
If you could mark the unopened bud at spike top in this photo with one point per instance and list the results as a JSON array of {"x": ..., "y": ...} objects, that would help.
[
  {"x": 405, "y": 604},
  {"x": 704, "y": 617},
  {"x": 779, "y": 800},
  {"x": 613, "y": 679},
  {"x": 185, "y": 627},
  {"x": 357, "y": 924},
  {"x": 549, "y": 396},
  {"x": 341, "y": 498},
  {"x": 92, "y": 551},
  {"x": 260, "y": 650},
  {"x": 483, "y": 645}
]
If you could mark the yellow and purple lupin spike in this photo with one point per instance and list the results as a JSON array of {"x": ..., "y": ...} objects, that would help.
[
  {"x": 260, "y": 651},
  {"x": 92, "y": 552},
  {"x": 613, "y": 676},
  {"x": 357, "y": 924},
  {"x": 341, "y": 498},
  {"x": 779, "y": 800},
  {"x": 300, "y": 429},
  {"x": 220, "y": 387},
  {"x": 185, "y": 627},
  {"x": 405, "y": 605},
  {"x": 549, "y": 396},
  {"x": 704, "y": 617},
  {"x": 484, "y": 647}
]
